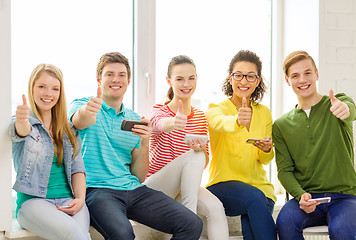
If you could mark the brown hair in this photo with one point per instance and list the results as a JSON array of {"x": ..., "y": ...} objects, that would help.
[
  {"x": 177, "y": 60},
  {"x": 59, "y": 122},
  {"x": 245, "y": 56},
  {"x": 295, "y": 57},
  {"x": 112, "y": 57}
]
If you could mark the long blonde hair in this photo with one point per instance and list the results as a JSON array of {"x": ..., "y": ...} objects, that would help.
[{"x": 59, "y": 122}]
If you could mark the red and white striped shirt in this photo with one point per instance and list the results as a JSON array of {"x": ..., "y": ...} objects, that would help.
[{"x": 167, "y": 146}]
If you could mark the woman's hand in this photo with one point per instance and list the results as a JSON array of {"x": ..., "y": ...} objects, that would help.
[
  {"x": 265, "y": 146},
  {"x": 22, "y": 124},
  {"x": 180, "y": 120},
  {"x": 197, "y": 145},
  {"x": 74, "y": 206}
]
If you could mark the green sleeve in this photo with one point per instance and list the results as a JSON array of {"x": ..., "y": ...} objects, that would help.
[{"x": 285, "y": 165}]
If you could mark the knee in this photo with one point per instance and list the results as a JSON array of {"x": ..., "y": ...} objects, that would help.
[
  {"x": 258, "y": 197},
  {"x": 72, "y": 232},
  {"x": 211, "y": 208},
  {"x": 286, "y": 222},
  {"x": 197, "y": 157},
  {"x": 342, "y": 230},
  {"x": 194, "y": 226},
  {"x": 125, "y": 231}
]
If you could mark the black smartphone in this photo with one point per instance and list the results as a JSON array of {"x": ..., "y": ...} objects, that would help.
[{"x": 127, "y": 125}]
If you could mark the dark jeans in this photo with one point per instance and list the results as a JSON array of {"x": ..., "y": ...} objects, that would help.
[
  {"x": 254, "y": 207},
  {"x": 110, "y": 211},
  {"x": 339, "y": 215}
]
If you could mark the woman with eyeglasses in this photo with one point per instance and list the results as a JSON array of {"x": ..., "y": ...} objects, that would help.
[{"x": 237, "y": 176}]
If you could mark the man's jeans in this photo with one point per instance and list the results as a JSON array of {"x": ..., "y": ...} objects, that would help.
[
  {"x": 110, "y": 211},
  {"x": 339, "y": 215}
]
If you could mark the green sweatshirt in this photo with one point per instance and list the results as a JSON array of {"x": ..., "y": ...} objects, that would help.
[{"x": 315, "y": 154}]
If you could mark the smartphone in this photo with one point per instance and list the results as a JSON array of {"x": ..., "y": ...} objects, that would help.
[
  {"x": 127, "y": 125},
  {"x": 252, "y": 140},
  {"x": 64, "y": 206},
  {"x": 190, "y": 137},
  {"x": 321, "y": 200}
]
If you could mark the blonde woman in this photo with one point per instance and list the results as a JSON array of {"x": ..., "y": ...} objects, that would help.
[{"x": 50, "y": 181}]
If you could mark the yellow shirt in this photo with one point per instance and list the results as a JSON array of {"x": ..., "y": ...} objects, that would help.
[{"x": 232, "y": 157}]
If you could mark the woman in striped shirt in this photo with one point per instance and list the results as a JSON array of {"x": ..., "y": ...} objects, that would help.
[{"x": 176, "y": 165}]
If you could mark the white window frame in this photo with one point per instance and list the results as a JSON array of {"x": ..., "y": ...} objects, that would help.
[{"x": 5, "y": 92}]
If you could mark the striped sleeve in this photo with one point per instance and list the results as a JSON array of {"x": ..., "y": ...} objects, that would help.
[{"x": 167, "y": 146}]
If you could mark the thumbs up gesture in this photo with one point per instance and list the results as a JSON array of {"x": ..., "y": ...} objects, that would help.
[
  {"x": 94, "y": 104},
  {"x": 338, "y": 108},
  {"x": 180, "y": 120},
  {"x": 22, "y": 125},
  {"x": 23, "y": 111},
  {"x": 244, "y": 114}
]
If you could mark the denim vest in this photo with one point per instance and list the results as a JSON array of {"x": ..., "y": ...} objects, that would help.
[{"x": 33, "y": 155}]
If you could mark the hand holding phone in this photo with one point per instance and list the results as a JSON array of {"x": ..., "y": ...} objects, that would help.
[
  {"x": 321, "y": 200},
  {"x": 190, "y": 137},
  {"x": 127, "y": 125}
]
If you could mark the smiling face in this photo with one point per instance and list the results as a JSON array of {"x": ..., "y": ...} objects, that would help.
[
  {"x": 183, "y": 81},
  {"x": 302, "y": 76},
  {"x": 114, "y": 81},
  {"x": 46, "y": 92},
  {"x": 244, "y": 88}
]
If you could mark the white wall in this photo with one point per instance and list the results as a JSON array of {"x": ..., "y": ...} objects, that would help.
[
  {"x": 337, "y": 47},
  {"x": 5, "y": 100}
]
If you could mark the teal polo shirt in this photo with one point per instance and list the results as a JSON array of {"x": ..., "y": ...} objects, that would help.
[{"x": 107, "y": 149}]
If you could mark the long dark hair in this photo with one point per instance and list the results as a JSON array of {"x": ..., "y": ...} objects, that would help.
[{"x": 177, "y": 60}]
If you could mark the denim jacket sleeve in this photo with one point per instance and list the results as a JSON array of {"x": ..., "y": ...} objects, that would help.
[{"x": 18, "y": 143}]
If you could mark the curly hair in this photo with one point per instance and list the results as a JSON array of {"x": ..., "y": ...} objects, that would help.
[{"x": 246, "y": 56}]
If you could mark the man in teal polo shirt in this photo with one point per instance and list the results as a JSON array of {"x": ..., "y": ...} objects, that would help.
[
  {"x": 314, "y": 156},
  {"x": 116, "y": 162}
]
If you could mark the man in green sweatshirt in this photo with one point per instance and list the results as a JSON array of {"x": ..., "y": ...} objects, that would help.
[{"x": 314, "y": 155}]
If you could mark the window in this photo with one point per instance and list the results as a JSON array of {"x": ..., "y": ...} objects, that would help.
[
  {"x": 71, "y": 35},
  {"x": 64, "y": 34},
  {"x": 211, "y": 33}
]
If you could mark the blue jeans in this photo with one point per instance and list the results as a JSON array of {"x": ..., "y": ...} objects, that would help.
[
  {"x": 110, "y": 211},
  {"x": 339, "y": 215},
  {"x": 248, "y": 201},
  {"x": 41, "y": 216}
]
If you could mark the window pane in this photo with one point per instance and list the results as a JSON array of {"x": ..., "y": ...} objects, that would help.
[
  {"x": 211, "y": 33},
  {"x": 71, "y": 35}
]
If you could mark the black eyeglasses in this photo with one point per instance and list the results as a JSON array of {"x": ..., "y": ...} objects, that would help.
[{"x": 249, "y": 77}]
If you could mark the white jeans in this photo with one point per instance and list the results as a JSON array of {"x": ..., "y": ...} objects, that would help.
[
  {"x": 42, "y": 217},
  {"x": 183, "y": 175}
]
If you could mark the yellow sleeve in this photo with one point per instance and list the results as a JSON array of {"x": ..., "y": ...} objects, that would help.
[{"x": 219, "y": 121}]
